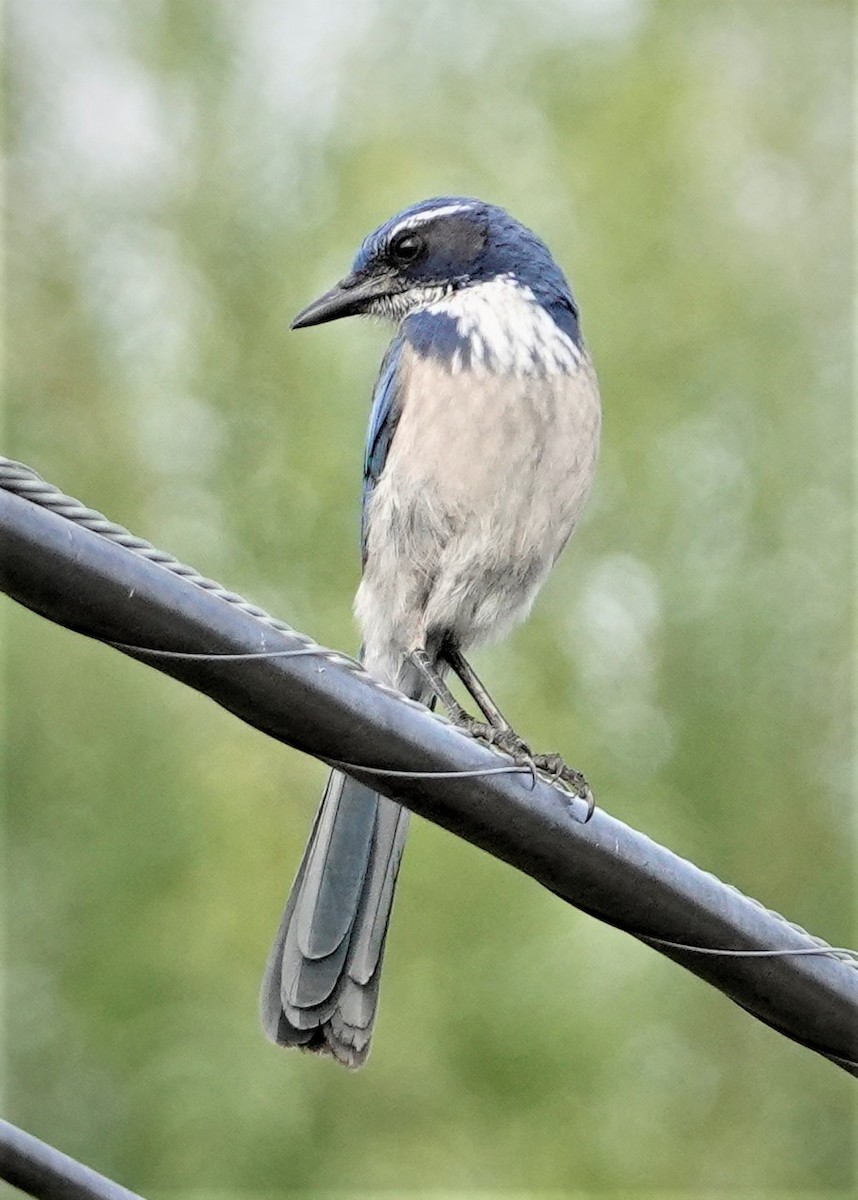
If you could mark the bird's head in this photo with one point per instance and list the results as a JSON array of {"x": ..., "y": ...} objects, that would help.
[{"x": 431, "y": 250}]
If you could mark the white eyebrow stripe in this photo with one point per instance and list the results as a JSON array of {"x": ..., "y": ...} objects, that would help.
[{"x": 444, "y": 210}]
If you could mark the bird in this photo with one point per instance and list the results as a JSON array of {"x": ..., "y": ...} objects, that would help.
[{"x": 480, "y": 454}]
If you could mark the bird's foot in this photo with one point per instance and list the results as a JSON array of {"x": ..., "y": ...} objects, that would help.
[
  {"x": 560, "y": 772},
  {"x": 505, "y": 739},
  {"x": 552, "y": 765}
]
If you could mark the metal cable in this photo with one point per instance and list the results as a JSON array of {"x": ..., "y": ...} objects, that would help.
[
  {"x": 41, "y": 1170},
  {"x": 23, "y": 481}
]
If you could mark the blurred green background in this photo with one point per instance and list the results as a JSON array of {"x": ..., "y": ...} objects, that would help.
[{"x": 183, "y": 175}]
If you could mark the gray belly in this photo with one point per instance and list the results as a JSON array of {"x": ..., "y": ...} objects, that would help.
[{"x": 480, "y": 492}]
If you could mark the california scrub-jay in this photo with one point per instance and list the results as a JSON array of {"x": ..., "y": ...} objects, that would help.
[{"x": 480, "y": 453}]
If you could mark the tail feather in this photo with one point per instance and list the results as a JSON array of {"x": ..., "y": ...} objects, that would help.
[
  {"x": 350, "y": 1029},
  {"x": 389, "y": 842},
  {"x": 337, "y": 859},
  {"x": 320, "y": 988}
]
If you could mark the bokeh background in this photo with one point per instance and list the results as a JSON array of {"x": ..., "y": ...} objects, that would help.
[{"x": 183, "y": 175}]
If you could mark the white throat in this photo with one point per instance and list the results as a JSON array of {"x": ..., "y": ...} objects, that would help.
[{"x": 506, "y": 330}]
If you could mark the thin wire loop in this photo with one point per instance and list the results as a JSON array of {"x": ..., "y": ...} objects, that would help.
[
  {"x": 391, "y": 772},
  {"x": 724, "y": 953},
  {"x": 512, "y": 769},
  {"x": 203, "y": 656},
  {"x": 250, "y": 654}
]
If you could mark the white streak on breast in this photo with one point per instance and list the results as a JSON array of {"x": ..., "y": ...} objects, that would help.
[{"x": 508, "y": 329}]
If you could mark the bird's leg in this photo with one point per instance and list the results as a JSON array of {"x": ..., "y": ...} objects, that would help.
[
  {"x": 431, "y": 676},
  {"x": 495, "y": 730},
  {"x": 502, "y": 733},
  {"x": 506, "y": 738},
  {"x": 474, "y": 686},
  {"x": 496, "y": 734}
]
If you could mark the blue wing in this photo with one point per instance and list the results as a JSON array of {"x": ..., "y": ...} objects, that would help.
[{"x": 386, "y": 407}]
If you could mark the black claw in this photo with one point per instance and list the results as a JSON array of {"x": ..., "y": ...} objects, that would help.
[
  {"x": 591, "y": 805},
  {"x": 552, "y": 765}
]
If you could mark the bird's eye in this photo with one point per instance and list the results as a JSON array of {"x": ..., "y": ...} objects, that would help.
[{"x": 406, "y": 247}]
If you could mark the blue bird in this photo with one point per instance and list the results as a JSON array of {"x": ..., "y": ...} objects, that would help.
[{"x": 481, "y": 450}]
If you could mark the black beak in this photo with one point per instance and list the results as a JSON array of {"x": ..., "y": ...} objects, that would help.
[{"x": 351, "y": 296}]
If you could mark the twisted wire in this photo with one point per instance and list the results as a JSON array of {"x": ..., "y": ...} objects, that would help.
[{"x": 23, "y": 481}]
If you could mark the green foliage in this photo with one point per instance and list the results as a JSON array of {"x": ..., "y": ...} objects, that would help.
[{"x": 184, "y": 176}]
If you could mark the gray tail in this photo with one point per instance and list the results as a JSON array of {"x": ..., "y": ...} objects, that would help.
[{"x": 320, "y": 987}]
